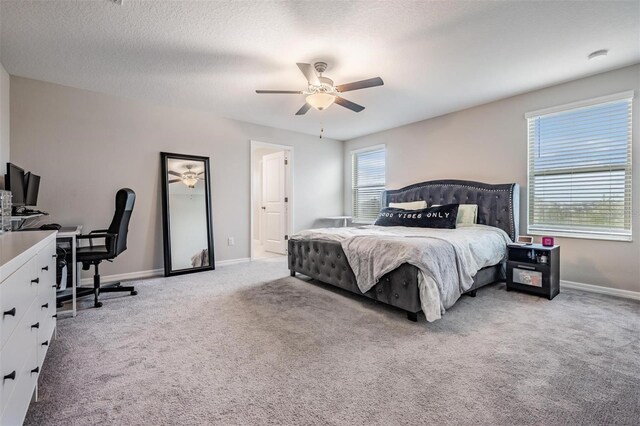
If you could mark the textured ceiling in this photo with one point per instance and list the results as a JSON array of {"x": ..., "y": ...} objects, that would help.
[{"x": 435, "y": 57}]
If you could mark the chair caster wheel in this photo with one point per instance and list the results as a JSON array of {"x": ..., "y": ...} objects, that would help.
[
  {"x": 134, "y": 292},
  {"x": 98, "y": 305}
]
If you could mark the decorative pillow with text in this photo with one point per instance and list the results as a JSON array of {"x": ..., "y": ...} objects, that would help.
[{"x": 433, "y": 217}]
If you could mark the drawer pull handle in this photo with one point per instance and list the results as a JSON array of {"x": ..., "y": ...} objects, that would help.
[
  {"x": 45, "y": 343},
  {"x": 36, "y": 370},
  {"x": 45, "y": 306},
  {"x": 36, "y": 325},
  {"x": 46, "y": 268},
  {"x": 10, "y": 376},
  {"x": 54, "y": 316},
  {"x": 35, "y": 281},
  {"x": 54, "y": 286},
  {"x": 11, "y": 312},
  {"x": 53, "y": 256},
  {"x": 531, "y": 268}
]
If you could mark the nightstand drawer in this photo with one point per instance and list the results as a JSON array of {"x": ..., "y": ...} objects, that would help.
[
  {"x": 527, "y": 276},
  {"x": 534, "y": 278}
]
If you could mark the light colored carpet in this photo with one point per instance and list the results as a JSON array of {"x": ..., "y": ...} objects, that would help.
[{"x": 247, "y": 344}]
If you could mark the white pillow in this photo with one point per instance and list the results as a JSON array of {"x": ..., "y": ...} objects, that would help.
[
  {"x": 467, "y": 214},
  {"x": 412, "y": 205}
]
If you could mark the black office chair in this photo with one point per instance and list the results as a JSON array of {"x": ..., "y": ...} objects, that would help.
[{"x": 115, "y": 242}]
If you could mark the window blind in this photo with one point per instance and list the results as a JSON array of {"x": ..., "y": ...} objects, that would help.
[
  {"x": 580, "y": 170},
  {"x": 368, "y": 183}
]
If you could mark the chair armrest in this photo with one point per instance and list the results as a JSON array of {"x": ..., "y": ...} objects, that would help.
[
  {"x": 92, "y": 236},
  {"x": 99, "y": 231},
  {"x": 109, "y": 239}
]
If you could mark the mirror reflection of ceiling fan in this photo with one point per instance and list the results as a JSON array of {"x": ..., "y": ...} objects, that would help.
[
  {"x": 189, "y": 178},
  {"x": 321, "y": 92}
]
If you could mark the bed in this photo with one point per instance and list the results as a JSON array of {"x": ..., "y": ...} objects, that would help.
[{"x": 326, "y": 261}]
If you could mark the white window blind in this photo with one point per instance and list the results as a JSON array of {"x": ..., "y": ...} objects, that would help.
[
  {"x": 580, "y": 169},
  {"x": 368, "y": 182}
]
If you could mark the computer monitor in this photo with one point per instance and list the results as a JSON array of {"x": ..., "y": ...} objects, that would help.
[
  {"x": 32, "y": 184},
  {"x": 14, "y": 182}
]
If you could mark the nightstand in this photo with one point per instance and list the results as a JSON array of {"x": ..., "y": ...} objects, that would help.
[{"x": 534, "y": 269}]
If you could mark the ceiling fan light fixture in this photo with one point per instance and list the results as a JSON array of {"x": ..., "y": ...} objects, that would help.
[
  {"x": 320, "y": 100},
  {"x": 190, "y": 179}
]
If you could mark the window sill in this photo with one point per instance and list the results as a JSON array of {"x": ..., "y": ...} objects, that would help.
[{"x": 581, "y": 235}]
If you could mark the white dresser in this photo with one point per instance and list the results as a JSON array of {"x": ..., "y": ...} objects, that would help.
[{"x": 28, "y": 309}]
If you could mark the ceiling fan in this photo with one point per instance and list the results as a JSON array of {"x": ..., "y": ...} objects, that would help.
[
  {"x": 321, "y": 92},
  {"x": 189, "y": 178}
]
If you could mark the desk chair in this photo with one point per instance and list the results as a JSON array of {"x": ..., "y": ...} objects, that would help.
[{"x": 115, "y": 242}]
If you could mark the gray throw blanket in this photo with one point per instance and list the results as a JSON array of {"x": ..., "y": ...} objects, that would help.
[{"x": 448, "y": 259}]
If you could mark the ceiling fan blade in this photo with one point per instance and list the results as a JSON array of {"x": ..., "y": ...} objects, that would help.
[
  {"x": 280, "y": 92},
  {"x": 304, "y": 109},
  {"x": 309, "y": 73},
  {"x": 348, "y": 104},
  {"x": 362, "y": 84},
  {"x": 171, "y": 172},
  {"x": 175, "y": 180}
]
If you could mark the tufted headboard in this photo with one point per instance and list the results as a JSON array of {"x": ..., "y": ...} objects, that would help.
[{"x": 497, "y": 204}]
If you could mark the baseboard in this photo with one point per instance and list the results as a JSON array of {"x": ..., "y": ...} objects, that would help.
[
  {"x": 232, "y": 261},
  {"x": 152, "y": 273},
  {"x": 124, "y": 277},
  {"x": 627, "y": 294}
]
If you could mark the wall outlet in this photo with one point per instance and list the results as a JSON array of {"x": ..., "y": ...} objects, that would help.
[{"x": 231, "y": 241}]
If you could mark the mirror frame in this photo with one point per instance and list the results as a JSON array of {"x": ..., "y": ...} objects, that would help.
[{"x": 166, "y": 214}]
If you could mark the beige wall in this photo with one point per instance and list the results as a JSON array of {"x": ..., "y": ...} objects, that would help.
[
  {"x": 4, "y": 119},
  {"x": 86, "y": 145},
  {"x": 489, "y": 143},
  {"x": 4, "y": 122}
]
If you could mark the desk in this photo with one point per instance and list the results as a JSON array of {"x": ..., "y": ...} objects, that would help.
[
  {"x": 20, "y": 220},
  {"x": 71, "y": 232},
  {"x": 344, "y": 218}
]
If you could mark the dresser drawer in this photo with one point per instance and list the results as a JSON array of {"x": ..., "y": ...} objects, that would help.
[
  {"x": 21, "y": 343},
  {"x": 17, "y": 293},
  {"x": 47, "y": 326},
  {"x": 15, "y": 407},
  {"x": 45, "y": 264},
  {"x": 45, "y": 332}
]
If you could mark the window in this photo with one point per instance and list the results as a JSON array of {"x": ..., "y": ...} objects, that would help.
[
  {"x": 368, "y": 180},
  {"x": 580, "y": 169}
]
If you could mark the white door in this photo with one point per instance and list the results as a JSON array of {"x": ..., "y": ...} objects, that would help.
[{"x": 274, "y": 207}]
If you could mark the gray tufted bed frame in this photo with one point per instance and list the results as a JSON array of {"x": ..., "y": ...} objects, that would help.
[{"x": 326, "y": 262}]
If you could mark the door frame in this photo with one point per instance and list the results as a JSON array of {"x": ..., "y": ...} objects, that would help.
[{"x": 289, "y": 187}]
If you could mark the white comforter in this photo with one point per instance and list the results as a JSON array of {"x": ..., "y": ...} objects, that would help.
[{"x": 448, "y": 259}]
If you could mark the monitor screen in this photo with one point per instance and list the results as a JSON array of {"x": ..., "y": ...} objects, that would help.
[
  {"x": 32, "y": 182},
  {"x": 14, "y": 182}
]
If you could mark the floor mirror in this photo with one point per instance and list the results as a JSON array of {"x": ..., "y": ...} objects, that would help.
[{"x": 186, "y": 214}]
